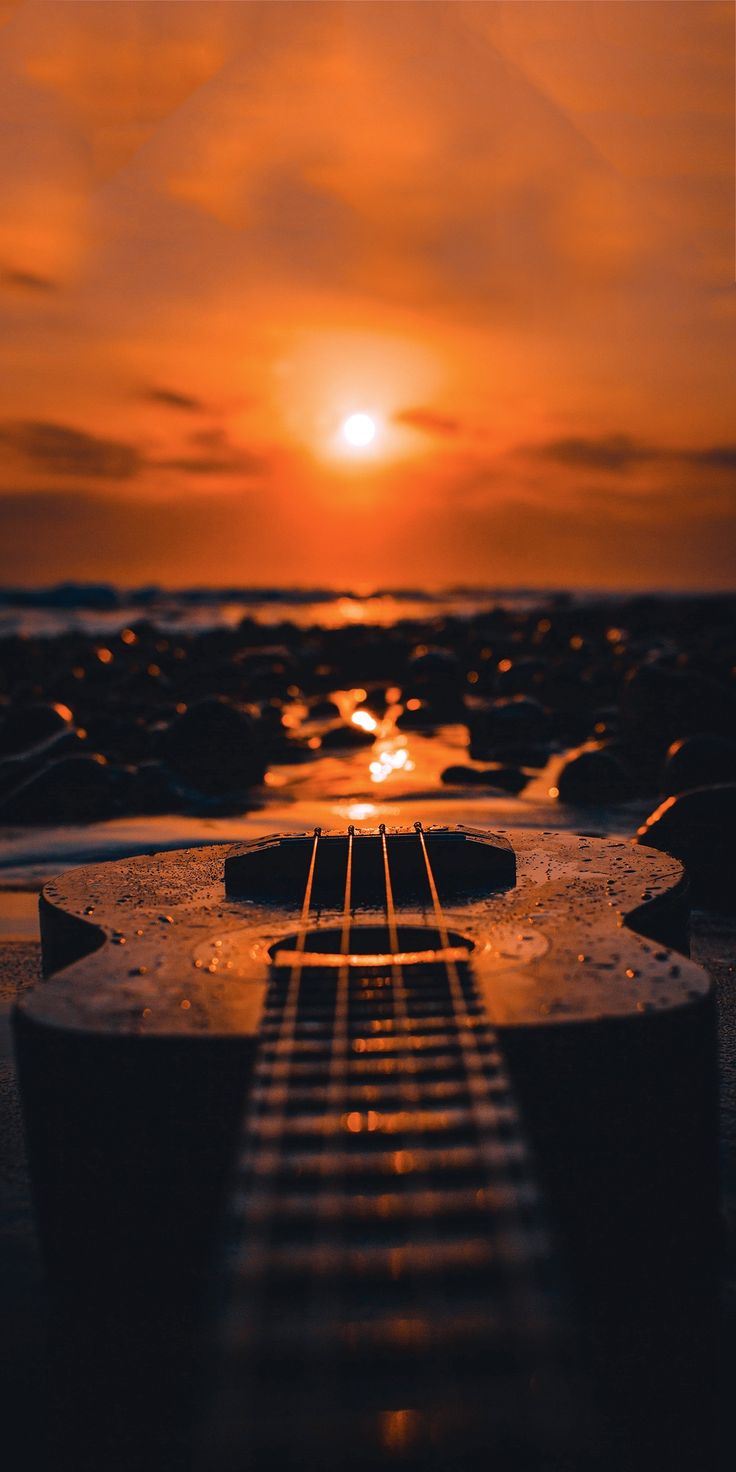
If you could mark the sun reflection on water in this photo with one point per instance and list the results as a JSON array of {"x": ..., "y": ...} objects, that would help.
[
  {"x": 364, "y": 720},
  {"x": 392, "y": 756}
]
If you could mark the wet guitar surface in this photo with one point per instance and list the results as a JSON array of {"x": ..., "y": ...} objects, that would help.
[{"x": 451, "y": 1087}]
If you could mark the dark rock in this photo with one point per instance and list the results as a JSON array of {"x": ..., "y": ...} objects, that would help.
[
  {"x": 421, "y": 716},
  {"x": 435, "y": 675},
  {"x": 214, "y": 747},
  {"x": 504, "y": 779},
  {"x": 521, "y": 678},
  {"x": 594, "y": 776},
  {"x": 434, "y": 664},
  {"x": 698, "y": 827},
  {"x": 284, "y": 749},
  {"x": 76, "y": 789},
  {"x": 17, "y": 769},
  {"x": 506, "y": 722},
  {"x": 514, "y": 754},
  {"x": 660, "y": 704},
  {"x": 345, "y": 737},
  {"x": 25, "y": 726},
  {"x": 323, "y": 710},
  {"x": 698, "y": 761},
  {"x": 153, "y": 789},
  {"x": 119, "y": 738}
]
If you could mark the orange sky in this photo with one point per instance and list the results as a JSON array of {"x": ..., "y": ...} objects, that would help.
[{"x": 503, "y": 229}]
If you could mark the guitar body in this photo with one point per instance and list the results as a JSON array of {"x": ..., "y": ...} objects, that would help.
[{"x": 363, "y": 1143}]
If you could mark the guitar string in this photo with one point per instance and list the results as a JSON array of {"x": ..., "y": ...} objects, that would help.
[
  {"x": 336, "y": 1121},
  {"x": 262, "y": 1162},
  {"x": 266, "y": 1163},
  {"x": 431, "y": 1299},
  {"x": 433, "y": 1293},
  {"x": 521, "y": 1245},
  {"x": 485, "y": 1114},
  {"x": 324, "y": 1294}
]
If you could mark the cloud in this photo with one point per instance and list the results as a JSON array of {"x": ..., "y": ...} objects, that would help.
[
  {"x": 428, "y": 420},
  {"x": 58, "y": 449},
  {"x": 215, "y": 455},
  {"x": 239, "y": 462},
  {"x": 604, "y": 452},
  {"x": 173, "y": 399},
  {"x": 622, "y": 452},
  {"x": 713, "y": 457},
  {"x": 26, "y": 280}
]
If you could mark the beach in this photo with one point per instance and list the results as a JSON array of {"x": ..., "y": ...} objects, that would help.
[{"x": 563, "y": 716}]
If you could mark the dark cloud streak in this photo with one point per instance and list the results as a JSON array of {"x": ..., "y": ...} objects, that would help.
[
  {"x": 171, "y": 398},
  {"x": 239, "y": 463},
  {"x": 429, "y": 420},
  {"x": 606, "y": 452},
  {"x": 26, "y": 280},
  {"x": 616, "y": 452},
  {"x": 59, "y": 449}
]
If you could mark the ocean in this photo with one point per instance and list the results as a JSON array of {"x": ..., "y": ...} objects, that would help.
[{"x": 99, "y": 609}]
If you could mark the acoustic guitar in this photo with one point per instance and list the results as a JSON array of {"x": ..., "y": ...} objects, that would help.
[{"x": 385, "y": 1148}]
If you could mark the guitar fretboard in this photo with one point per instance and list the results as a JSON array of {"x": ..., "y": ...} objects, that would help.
[{"x": 387, "y": 1297}]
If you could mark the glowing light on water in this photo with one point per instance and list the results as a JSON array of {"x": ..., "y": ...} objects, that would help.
[
  {"x": 364, "y": 720},
  {"x": 357, "y": 812},
  {"x": 388, "y": 762}
]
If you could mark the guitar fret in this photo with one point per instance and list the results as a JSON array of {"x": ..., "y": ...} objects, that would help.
[
  {"x": 385, "y": 1205},
  {"x": 360, "y": 1095},
  {"x": 430, "y": 1259},
  {"x": 383, "y": 1215},
  {"x": 472, "y": 1329},
  {"x": 444, "y": 1159},
  {"x": 301, "y": 1117}
]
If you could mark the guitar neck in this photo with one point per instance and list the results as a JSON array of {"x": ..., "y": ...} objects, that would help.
[{"x": 387, "y": 1294}]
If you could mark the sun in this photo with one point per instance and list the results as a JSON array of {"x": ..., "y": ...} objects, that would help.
[{"x": 359, "y": 430}]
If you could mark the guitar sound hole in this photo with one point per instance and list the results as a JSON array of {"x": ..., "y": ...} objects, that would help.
[
  {"x": 464, "y": 864},
  {"x": 370, "y": 945}
]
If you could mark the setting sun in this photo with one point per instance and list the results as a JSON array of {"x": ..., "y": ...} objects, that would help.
[{"x": 359, "y": 430}]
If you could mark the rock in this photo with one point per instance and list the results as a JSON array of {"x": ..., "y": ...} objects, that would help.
[
  {"x": 698, "y": 827},
  {"x": 25, "y": 726},
  {"x": 420, "y": 716},
  {"x": 153, "y": 789},
  {"x": 17, "y": 769},
  {"x": 434, "y": 664},
  {"x": 262, "y": 672},
  {"x": 521, "y": 677},
  {"x": 213, "y": 746},
  {"x": 594, "y": 776},
  {"x": 435, "y": 675},
  {"x": 660, "y": 704},
  {"x": 504, "y": 779},
  {"x": 76, "y": 789},
  {"x": 286, "y": 750},
  {"x": 703, "y": 760},
  {"x": 342, "y": 738},
  {"x": 323, "y": 710},
  {"x": 512, "y": 754},
  {"x": 508, "y": 722},
  {"x": 120, "y": 738}
]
